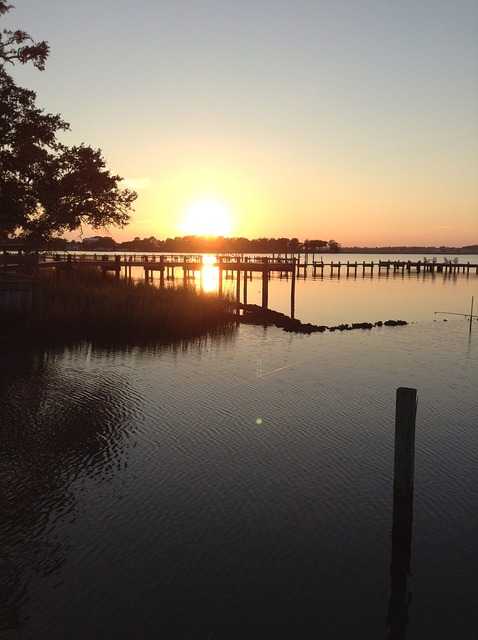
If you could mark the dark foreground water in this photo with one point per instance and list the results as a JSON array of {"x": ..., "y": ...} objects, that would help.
[{"x": 239, "y": 488}]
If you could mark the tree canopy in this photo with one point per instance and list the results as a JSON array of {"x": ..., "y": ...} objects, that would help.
[
  {"x": 46, "y": 187},
  {"x": 18, "y": 46}
]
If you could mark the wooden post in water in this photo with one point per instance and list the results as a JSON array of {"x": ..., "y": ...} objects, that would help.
[
  {"x": 219, "y": 266},
  {"x": 161, "y": 272},
  {"x": 238, "y": 286},
  {"x": 244, "y": 293},
  {"x": 265, "y": 284},
  {"x": 292, "y": 291},
  {"x": 405, "y": 413},
  {"x": 185, "y": 274}
]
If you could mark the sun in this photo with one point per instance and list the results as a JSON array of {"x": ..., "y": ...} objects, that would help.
[{"x": 207, "y": 218}]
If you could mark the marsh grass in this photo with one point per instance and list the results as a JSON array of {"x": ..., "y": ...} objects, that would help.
[{"x": 84, "y": 305}]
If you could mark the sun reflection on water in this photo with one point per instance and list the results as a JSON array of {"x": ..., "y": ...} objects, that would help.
[{"x": 210, "y": 274}]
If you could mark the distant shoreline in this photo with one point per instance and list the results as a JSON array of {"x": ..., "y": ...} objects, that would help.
[
  {"x": 473, "y": 250},
  {"x": 470, "y": 250}
]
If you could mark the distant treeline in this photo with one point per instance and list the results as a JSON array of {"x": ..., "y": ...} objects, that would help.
[
  {"x": 219, "y": 244},
  {"x": 204, "y": 244}
]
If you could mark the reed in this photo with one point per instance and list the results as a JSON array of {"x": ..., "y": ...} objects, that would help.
[{"x": 84, "y": 305}]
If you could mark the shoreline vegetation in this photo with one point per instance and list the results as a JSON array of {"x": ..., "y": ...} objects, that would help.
[{"x": 85, "y": 306}]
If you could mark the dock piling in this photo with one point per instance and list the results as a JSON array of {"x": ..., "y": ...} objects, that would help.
[
  {"x": 292, "y": 292},
  {"x": 405, "y": 414},
  {"x": 265, "y": 284},
  {"x": 238, "y": 287}
]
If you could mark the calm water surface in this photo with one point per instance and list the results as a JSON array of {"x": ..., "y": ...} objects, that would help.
[{"x": 240, "y": 487}]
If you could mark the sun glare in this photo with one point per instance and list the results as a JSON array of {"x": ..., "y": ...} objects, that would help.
[{"x": 207, "y": 218}]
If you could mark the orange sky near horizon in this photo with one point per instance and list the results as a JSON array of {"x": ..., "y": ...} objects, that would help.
[{"x": 268, "y": 198}]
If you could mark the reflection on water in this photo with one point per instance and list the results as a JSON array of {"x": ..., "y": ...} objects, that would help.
[
  {"x": 400, "y": 570},
  {"x": 57, "y": 429},
  {"x": 238, "y": 487},
  {"x": 209, "y": 278}
]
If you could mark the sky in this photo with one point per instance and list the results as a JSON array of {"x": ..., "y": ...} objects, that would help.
[{"x": 352, "y": 120}]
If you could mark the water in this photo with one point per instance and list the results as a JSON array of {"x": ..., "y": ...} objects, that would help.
[{"x": 240, "y": 487}]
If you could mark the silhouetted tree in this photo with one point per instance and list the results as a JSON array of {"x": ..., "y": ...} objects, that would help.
[
  {"x": 18, "y": 46},
  {"x": 46, "y": 187},
  {"x": 99, "y": 242},
  {"x": 317, "y": 245},
  {"x": 334, "y": 246}
]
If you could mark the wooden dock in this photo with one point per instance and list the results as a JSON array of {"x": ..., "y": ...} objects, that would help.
[
  {"x": 237, "y": 267},
  {"x": 385, "y": 267},
  {"x": 167, "y": 264}
]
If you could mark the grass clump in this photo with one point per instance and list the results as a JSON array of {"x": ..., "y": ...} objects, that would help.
[{"x": 84, "y": 305}]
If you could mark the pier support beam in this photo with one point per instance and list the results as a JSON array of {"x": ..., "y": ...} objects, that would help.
[
  {"x": 238, "y": 288},
  {"x": 219, "y": 266},
  {"x": 161, "y": 272},
  {"x": 292, "y": 291},
  {"x": 265, "y": 285}
]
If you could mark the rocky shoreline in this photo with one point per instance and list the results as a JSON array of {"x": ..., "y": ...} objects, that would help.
[{"x": 254, "y": 314}]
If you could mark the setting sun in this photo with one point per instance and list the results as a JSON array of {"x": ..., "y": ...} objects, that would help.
[{"x": 207, "y": 218}]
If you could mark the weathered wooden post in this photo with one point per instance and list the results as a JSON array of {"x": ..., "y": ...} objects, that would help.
[
  {"x": 244, "y": 292},
  {"x": 405, "y": 413}
]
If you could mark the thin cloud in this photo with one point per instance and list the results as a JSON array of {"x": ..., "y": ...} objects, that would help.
[{"x": 137, "y": 184}]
